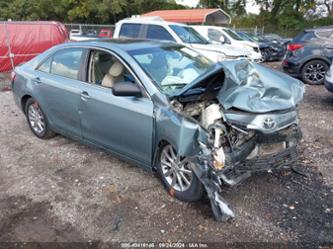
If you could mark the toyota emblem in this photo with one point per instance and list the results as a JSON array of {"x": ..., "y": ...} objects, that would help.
[{"x": 269, "y": 123}]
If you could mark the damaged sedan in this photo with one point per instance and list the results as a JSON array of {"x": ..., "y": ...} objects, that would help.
[{"x": 201, "y": 126}]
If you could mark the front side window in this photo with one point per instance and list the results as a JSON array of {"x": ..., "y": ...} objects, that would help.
[
  {"x": 171, "y": 68},
  {"x": 106, "y": 70},
  {"x": 188, "y": 34},
  {"x": 131, "y": 30},
  {"x": 215, "y": 35},
  {"x": 158, "y": 33},
  {"x": 67, "y": 63}
]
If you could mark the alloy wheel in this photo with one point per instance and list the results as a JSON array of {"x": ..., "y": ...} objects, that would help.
[
  {"x": 315, "y": 73},
  {"x": 176, "y": 170},
  {"x": 36, "y": 118}
]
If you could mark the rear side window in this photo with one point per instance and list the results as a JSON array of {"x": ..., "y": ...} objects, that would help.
[
  {"x": 131, "y": 30},
  {"x": 46, "y": 66},
  {"x": 67, "y": 63},
  {"x": 157, "y": 32}
]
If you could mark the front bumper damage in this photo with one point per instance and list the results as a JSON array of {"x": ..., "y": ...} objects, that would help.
[
  {"x": 242, "y": 163},
  {"x": 249, "y": 125}
]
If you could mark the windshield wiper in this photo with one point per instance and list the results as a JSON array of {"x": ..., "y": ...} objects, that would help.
[{"x": 175, "y": 84}]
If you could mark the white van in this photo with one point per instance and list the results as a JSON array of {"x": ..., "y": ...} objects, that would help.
[
  {"x": 223, "y": 35},
  {"x": 156, "y": 28}
]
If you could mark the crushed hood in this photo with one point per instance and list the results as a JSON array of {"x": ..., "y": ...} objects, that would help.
[{"x": 255, "y": 88}]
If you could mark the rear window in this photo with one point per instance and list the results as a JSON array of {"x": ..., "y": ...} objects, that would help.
[
  {"x": 130, "y": 30},
  {"x": 157, "y": 32},
  {"x": 325, "y": 34},
  {"x": 305, "y": 36}
]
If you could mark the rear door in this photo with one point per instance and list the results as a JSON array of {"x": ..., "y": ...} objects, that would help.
[
  {"x": 121, "y": 124},
  {"x": 58, "y": 89}
]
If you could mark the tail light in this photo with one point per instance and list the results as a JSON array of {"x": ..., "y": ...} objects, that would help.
[{"x": 294, "y": 46}]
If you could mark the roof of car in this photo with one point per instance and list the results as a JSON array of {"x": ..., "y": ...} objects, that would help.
[
  {"x": 123, "y": 44},
  {"x": 150, "y": 20}
]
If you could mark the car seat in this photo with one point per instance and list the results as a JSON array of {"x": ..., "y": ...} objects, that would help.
[{"x": 114, "y": 74}]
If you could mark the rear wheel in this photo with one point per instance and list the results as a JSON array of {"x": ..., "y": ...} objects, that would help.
[
  {"x": 37, "y": 120},
  {"x": 177, "y": 175},
  {"x": 313, "y": 72}
]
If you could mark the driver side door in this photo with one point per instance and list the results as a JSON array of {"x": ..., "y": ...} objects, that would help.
[{"x": 121, "y": 124}]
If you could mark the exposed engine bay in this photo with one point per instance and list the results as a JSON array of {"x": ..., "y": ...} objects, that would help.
[{"x": 238, "y": 141}]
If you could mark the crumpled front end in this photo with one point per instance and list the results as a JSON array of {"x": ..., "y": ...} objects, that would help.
[{"x": 249, "y": 125}]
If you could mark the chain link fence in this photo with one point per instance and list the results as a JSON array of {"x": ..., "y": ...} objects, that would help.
[
  {"x": 88, "y": 29},
  {"x": 4, "y": 81},
  {"x": 255, "y": 30}
]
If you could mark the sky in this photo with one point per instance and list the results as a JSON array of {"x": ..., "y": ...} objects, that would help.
[{"x": 251, "y": 7}]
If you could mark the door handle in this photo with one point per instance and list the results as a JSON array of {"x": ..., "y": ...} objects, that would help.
[
  {"x": 38, "y": 80},
  {"x": 85, "y": 96}
]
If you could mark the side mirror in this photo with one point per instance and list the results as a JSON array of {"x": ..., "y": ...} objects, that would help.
[
  {"x": 222, "y": 40},
  {"x": 126, "y": 89}
]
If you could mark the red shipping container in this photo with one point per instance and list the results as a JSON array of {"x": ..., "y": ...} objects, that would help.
[{"x": 21, "y": 41}]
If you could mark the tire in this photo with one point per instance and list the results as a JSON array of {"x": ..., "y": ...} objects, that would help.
[
  {"x": 193, "y": 190},
  {"x": 313, "y": 72},
  {"x": 37, "y": 120}
]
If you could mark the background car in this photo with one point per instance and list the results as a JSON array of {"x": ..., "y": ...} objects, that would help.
[
  {"x": 228, "y": 36},
  {"x": 310, "y": 54},
  {"x": 74, "y": 32},
  {"x": 277, "y": 38},
  {"x": 105, "y": 32},
  {"x": 271, "y": 51},
  {"x": 158, "y": 29}
]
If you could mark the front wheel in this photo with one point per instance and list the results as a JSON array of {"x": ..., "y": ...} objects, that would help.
[
  {"x": 37, "y": 120},
  {"x": 177, "y": 175},
  {"x": 313, "y": 72}
]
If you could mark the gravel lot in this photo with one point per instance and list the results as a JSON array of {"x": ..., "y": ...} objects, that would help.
[{"x": 60, "y": 190}]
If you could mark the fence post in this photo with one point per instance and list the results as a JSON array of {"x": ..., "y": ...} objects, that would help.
[{"x": 10, "y": 55}]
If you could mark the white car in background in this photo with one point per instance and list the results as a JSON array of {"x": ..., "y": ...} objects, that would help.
[
  {"x": 156, "y": 28},
  {"x": 74, "y": 33},
  {"x": 225, "y": 36}
]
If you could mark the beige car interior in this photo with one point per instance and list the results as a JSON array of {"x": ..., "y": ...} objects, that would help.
[
  {"x": 106, "y": 70},
  {"x": 114, "y": 74}
]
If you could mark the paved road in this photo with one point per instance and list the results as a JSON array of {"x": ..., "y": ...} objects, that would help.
[{"x": 60, "y": 190}]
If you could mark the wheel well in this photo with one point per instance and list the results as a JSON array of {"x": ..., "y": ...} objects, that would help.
[
  {"x": 24, "y": 101},
  {"x": 314, "y": 59},
  {"x": 160, "y": 145}
]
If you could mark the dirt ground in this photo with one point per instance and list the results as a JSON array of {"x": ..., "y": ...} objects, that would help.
[{"x": 59, "y": 190}]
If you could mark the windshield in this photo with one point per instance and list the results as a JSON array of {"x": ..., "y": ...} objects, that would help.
[
  {"x": 256, "y": 38},
  {"x": 244, "y": 36},
  {"x": 172, "y": 67},
  {"x": 233, "y": 34},
  {"x": 188, "y": 34}
]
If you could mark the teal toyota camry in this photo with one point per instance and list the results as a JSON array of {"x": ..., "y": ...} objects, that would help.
[{"x": 201, "y": 126}]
